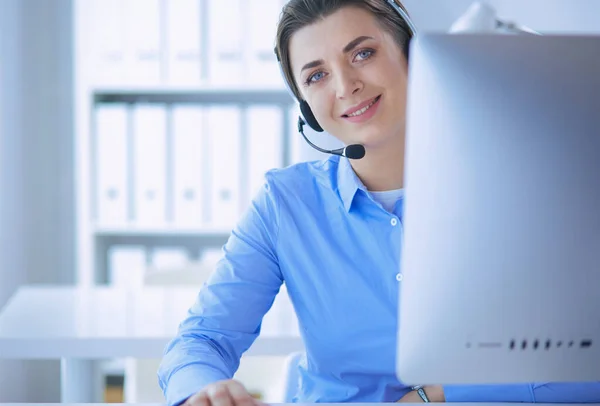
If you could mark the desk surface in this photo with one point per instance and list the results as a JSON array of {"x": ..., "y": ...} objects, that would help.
[
  {"x": 298, "y": 404},
  {"x": 41, "y": 322}
]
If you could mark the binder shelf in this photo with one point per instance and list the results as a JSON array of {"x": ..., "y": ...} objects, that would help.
[
  {"x": 178, "y": 117},
  {"x": 201, "y": 95},
  {"x": 177, "y": 167},
  {"x": 146, "y": 241}
]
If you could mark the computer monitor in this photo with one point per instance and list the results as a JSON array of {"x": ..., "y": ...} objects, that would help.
[{"x": 501, "y": 246}]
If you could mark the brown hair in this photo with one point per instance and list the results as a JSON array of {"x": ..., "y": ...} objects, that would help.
[{"x": 297, "y": 14}]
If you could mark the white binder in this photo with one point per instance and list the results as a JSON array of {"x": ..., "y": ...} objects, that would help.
[
  {"x": 265, "y": 148},
  {"x": 223, "y": 132},
  {"x": 126, "y": 266},
  {"x": 149, "y": 177},
  {"x": 183, "y": 42},
  {"x": 143, "y": 42},
  {"x": 262, "y": 29},
  {"x": 188, "y": 170},
  {"x": 108, "y": 50},
  {"x": 225, "y": 42},
  {"x": 111, "y": 163},
  {"x": 168, "y": 257}
]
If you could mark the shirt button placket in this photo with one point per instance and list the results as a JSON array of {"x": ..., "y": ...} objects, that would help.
[{"x": 394, "y": 222}]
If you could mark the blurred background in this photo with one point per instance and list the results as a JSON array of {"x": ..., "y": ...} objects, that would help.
[{"x": 134, "y": 133}]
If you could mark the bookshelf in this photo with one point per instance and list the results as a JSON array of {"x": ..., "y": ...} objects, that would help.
[
  {"x": 168, "y": 55},
  {"x": 98, "y": 55},
  {"x": 167, "y": 234}
]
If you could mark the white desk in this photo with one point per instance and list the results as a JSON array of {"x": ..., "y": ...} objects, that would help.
[
  {"x": 79, "y": 325},
  {"x": 310, "y": 404}
]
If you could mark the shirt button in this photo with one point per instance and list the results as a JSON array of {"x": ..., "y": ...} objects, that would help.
[
  {"x": 399, "y": 277},
  {"x": 394, "y": 221}
]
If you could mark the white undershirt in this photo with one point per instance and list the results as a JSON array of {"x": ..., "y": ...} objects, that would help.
[{"x": 388, "y": 198}]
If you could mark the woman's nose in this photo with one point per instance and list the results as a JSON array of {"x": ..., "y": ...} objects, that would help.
[{"x": 348, "y": 84}]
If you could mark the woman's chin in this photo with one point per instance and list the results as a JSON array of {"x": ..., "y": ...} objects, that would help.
[{"x": 374, "y": 138}]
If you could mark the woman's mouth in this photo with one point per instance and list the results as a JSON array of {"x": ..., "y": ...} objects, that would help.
[{"x": 364, "y": 113}]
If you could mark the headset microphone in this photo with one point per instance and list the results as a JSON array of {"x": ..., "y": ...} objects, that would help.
[{"x": 353, "y": 151}]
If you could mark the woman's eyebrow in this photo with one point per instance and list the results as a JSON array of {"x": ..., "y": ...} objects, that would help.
[
  {"x": 355, "y": 42},
  {"x": 351, "y": 45},
  {"x": 312, "y": 64}
]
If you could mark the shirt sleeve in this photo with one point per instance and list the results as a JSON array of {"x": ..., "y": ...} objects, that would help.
[
  {"x": 539, "y": 393},
  {"x": 226, "y": 317},
  {"x": 585, "y": 392},
  {"x": 488, "y": 393}
]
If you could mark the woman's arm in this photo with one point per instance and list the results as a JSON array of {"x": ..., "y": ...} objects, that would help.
[
  {"x": 585, "y": 392},
  {"x": 226, "y": 317},
  {"x": 541, "y": 393}
]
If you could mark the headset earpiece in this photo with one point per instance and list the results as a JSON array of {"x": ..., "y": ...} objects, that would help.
[{"x": 309, "y": 117}]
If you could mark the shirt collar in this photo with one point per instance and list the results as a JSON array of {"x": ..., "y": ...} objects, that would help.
[{"x": 348, "y": 182}]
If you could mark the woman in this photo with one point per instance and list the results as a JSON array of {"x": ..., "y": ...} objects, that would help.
[{"x": 330, "y": 230}]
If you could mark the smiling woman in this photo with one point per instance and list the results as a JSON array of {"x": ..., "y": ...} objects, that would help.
[
  {"x": 297, "y": 15},
  {"x": 330, "y": 230},
  {"x": 355, "y": 82}
]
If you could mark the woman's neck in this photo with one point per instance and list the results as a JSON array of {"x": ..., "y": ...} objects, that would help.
[{"x": 382, "y": 168}]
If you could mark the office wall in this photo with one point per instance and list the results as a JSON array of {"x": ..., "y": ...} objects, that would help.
[
  {"x": 543, "y": 15},
  {"x": 48, "y": 140},
  {"x": 11, "y": 197},
  {"x": 36, "y": 157},
  {"x": 573, "y": 16},
  {"x": 10, "y": 193}
]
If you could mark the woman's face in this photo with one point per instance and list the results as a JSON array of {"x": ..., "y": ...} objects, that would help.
[{"x": 353, "y": 75}]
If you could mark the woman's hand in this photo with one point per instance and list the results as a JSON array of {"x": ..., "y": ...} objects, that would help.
[
  {"x": 223, "y": 393},
  {"x": 434, "y": 394}
]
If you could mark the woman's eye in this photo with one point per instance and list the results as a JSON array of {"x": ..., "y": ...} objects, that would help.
[
  {"x": 315, "y": 77},
  {"x": 364, "y": 54}
]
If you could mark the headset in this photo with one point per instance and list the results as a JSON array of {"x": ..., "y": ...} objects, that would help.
[{"x": 353, "y": 151}]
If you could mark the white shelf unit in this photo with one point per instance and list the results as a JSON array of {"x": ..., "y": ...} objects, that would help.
[
  {"x": 167, "y": 234},
  {"x": 102, "y": 238},
  {"x": 93, "y": 89}
]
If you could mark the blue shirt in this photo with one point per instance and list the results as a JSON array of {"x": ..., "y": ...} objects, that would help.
[{"x": 315, "y": 227}]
